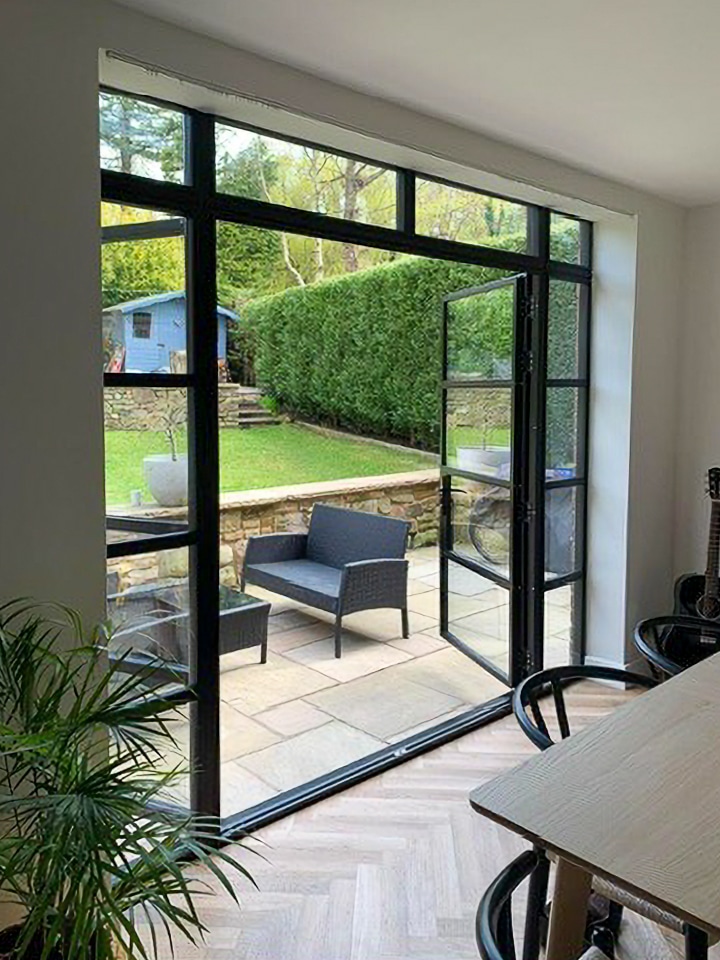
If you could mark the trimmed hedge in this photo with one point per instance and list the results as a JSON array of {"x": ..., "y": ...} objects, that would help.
[{"x": 363, "y": 351}]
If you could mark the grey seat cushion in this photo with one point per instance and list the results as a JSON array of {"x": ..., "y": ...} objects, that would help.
[{"x": 308, "y": 582}]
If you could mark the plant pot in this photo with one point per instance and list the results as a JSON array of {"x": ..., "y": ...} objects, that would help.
[
  {"x": 167, "y": 479},
  {"x": 10, "y": 936},
  {"x": 487, "y": 460}
]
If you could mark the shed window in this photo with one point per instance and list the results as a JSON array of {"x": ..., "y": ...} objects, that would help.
[{"x": 142, "y": 322}]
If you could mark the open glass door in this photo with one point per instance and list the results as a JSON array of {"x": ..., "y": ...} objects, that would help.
[{"x": 484, "y": 442}]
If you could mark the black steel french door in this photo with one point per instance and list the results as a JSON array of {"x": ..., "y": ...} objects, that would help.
[{"x": 489, "y": 471}]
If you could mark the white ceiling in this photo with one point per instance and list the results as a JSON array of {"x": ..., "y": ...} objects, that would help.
[{"x": 626, "y": 88}]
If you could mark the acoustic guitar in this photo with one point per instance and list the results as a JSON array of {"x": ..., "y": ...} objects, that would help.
[{"x": 698, "y": 595}]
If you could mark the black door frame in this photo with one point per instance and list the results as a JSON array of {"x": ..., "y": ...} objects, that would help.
[
  {"x": 201, "y": 207},
  {"x": 517, "y": 582}
]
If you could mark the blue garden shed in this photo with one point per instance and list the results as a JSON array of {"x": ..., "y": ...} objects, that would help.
[{"x": 141, "y": 336}]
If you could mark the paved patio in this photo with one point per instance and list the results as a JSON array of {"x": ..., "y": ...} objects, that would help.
[{"x": 304, "y": 713}]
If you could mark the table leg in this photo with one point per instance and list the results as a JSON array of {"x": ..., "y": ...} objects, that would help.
[{"x": 568, "y": 913}]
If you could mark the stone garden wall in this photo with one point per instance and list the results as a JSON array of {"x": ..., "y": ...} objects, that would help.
[
  {"x": 411, "y": 496},
  {"x": 143, "y": 408}
]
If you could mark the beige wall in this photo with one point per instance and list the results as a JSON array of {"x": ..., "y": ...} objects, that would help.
[
  {"x": 51, "y": 473},
  {"x": 698, "y": 434},
  {"x": 51, "y": 520}
]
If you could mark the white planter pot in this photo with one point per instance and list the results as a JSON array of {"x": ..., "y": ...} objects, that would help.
[
  {"x": 487, "y": 460},
  {"x": 167, "y": 479}
]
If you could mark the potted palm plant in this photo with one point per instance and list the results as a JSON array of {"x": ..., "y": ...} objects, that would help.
[{"x": 88, "y": 856}]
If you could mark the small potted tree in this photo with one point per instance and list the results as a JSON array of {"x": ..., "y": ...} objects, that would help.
[
  {"x": 92, "y": 862},
  {"x": 487, "y": 420},
  {"x": 166, "y": 474}
]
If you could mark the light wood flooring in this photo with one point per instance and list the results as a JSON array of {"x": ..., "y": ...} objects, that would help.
[{"x": 391, "y": 869}]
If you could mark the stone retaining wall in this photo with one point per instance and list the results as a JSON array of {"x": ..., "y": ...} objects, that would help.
[
  {"x": 411, "y": 496},
  {"x": 142, "y": 408}
]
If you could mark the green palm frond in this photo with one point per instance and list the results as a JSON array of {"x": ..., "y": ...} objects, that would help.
[{"x": 86, "y": 845}]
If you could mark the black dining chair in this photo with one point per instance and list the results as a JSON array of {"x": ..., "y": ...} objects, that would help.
[
  {"x": 671, "y": 644},
  {"x": 534, "y": 700},
  {"x": 494, "y": 923}
]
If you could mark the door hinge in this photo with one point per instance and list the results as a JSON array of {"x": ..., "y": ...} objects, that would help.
[
  {"x": 532, "y": 307},
  {"x": 527, "y": 512},
  {"x": 527, "y": 361}
]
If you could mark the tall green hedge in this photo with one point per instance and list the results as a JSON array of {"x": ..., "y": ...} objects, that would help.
[{"x": 363, "y": 351}]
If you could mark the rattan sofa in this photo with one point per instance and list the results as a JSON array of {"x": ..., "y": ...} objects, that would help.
[{"x": 347, "y": 561}]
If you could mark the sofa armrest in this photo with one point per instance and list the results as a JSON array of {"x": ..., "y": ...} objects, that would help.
[
  {"x": 369, "y": 584},
  {"x": 274, "y": 547}
]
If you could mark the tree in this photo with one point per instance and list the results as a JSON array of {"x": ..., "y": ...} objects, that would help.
[
  {"x": 139, "y": 268},
  {"x": 248, "y": 257},
  {"x": 138, "y": 137}
]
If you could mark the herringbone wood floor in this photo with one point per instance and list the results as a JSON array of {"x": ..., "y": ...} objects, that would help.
[{"x": 391, "y": 869}]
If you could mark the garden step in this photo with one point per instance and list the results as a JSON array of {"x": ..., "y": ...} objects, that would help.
[{"x": 266, "y": 420}]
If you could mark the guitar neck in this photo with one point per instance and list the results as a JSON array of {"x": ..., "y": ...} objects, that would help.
[{"x": 712, "y": 583}]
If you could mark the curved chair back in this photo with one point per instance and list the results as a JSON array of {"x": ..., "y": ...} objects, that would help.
[
  {"x": 493, "y": 921},
  {"x": 674, "y": 643},
  {"x": 532, "y": 697}
]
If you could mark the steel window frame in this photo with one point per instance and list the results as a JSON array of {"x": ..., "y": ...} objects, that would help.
[{"x": 202, "y": 207}]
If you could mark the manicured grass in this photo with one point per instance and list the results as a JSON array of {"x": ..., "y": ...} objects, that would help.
[{"x": 271, "y": 456}]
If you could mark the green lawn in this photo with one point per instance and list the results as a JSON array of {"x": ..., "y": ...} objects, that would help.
[{"x": 259, "y": 457}]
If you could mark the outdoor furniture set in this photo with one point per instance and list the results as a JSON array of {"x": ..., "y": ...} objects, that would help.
[{"x": 347, "y": 561}]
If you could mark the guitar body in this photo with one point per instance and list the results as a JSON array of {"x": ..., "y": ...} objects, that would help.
[{"x": 689, "y": 589}]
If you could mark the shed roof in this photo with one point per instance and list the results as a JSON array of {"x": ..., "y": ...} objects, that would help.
[{"x": 131, "y": 305}]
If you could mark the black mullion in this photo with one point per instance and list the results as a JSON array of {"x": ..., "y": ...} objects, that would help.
[
  {"x": 204, "y": 475},
  {"x": 480, "y": 477},
  {"x": 462, "y": 560},
  {"x": 134, "y": 191},
  {"x": 307, "y": 223},
  {"x": 554, "y": 583},
  {"x": 574, "y": 272},
  {"x": 584, "y": 343},
  {"x": 145, "y": 230},
  {"x": 578, "y": 382},
  {"x": 563, "y": 484},
  {"x": 151, "y": 525},
  {"x": 536, "y": 427},
  {"x": 163, "y": 380},
  {"x": 405, "y": 201},
  {"x": 519, "y": 504},
  {"x": 150, "y": 544}
]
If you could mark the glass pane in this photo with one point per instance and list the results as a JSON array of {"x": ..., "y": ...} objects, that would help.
[
  {"x": 565, "y": 239},
  {"x": 563, "y": 531},
  {"x": 451, "y": 213},
  {"x": 478, "y": 430},
  {"x": 479, "y": 614},
  {"x": 480, "y": 335},
  {"x": 563, "y": 442},
  {"x": 481, "y": 522},
  {"x": 141, "y": 138},
  {"x": 149, "y": 612},
  {"x": 266, "y": 168},
  {"x": 143, "y": 297},
  {"x": 566, "y": 347},
  {"x": 563, "y": 625},
  {"x": 146, "y": 463}
]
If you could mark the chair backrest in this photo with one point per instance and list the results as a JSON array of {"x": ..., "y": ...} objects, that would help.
[
  {"x": 338, "y": 536},
  {"x": 534, "y": 695},
  {"x": 672, "y": 644},
  {"x": 493, "y": 921}
]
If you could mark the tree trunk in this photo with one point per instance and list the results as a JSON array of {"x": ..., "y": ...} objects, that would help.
[
  {"x": 352, "y": 186},
  {"x": 291, "y": 268},
  {"x": 319, "y": 257}
]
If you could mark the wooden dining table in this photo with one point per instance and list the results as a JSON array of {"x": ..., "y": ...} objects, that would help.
[{"x": 633, "y": 798}]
